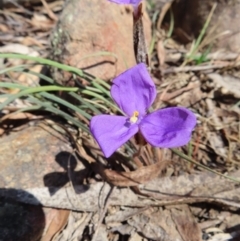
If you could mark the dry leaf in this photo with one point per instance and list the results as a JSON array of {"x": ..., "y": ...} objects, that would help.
[
  {"x": 20, "y": 116},
  {"x": 162, "y": 14},
  {"x": 42, "y": 22},
  {"x": 132, "y": 178},
  {"x": 3, "y": 28},
  {"x": 123, "y": 215},
  {"x": 186, "y": 224},
  {"x": 135, "y": 237},
  {"x": 76, "y": 225},
  {"x": 29, "y": 41},
  {"x": 161, "y": 53},
  {"x": 18, "y": 48},
  {"x": 155, "y": 224},
  {"x": 30, "y": 79},
  {"x": 58, "y": 220},
  {"x": 228, "y": 84}
]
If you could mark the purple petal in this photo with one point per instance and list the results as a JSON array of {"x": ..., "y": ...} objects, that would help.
[
  {"x": 133, "y": 2},
  {"x": 120, "y": 1},
  {"x": 111, "y": 132},
  {"x": 170, "y": 127},
  {"x": 134, "y": 90}
]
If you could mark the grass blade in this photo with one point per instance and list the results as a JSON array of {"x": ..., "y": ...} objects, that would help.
[
  {"x": 65, "y": 103},
  {"x": 187, "y": 158},
  {"x": 32, "y": 90}
]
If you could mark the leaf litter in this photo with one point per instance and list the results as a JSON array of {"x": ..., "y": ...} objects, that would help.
[{"x": 184, "y": 202}]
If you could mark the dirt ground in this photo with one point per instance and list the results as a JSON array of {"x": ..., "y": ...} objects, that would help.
[{"x": 55, "y": 183}]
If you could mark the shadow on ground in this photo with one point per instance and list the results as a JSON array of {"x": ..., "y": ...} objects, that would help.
[
  {"x": 20, "y": 221},
  {"x": 56, "y": 180}
]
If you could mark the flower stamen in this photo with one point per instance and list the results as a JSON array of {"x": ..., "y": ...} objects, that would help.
[{"x": 134, "y": 117}]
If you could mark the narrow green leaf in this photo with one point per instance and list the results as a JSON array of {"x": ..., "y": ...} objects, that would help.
[
  {"x": 50, "y": 108},
  {"x": 65, "y": 103},
  {"x": 86, "y": 92},
  {"x": 187, "y": 158},
  {"x": 32, "y": 90},
  {"x": 14, "y": 68},
  {"x": 46, "y": 62},
  {"x": 83, "y": 101}
]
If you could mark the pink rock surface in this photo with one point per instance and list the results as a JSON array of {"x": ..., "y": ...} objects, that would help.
[{"x": 88, "y": 27}]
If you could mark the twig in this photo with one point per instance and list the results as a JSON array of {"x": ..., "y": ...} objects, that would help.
[
  {"x": 139, "y": 43},
  {"x": 49, "y": 11},
  {"x": 195, "y": 68},
  {"x": 102, "y": 215}
]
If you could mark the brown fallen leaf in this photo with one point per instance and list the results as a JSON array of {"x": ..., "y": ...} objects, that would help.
[
  {"x": 161, "y": 53},
  {"x": 132, "y": 178},
  {"x": 50, "y": 13},
  {"x": 229, "y": 85},
  {"x": 4, "y": 28},
  {"x": 135, "y": 237},
  {"x": 29, "y": 79},
  {"x": 18, "y": 48},
  {"x": 58, "y": 220},
  {"x": 20, "y": 115},
  {"x": 40, "y": 21},
  {"x": 155, "y": 224},
  {"x": 77, "y": 223},
  {"x": 29, "y": 41},
  {"x": 186, "y": 224},
  {"x": 162, "y": 14},
  {"x": 1, "y": 131},
  {"x": 168, "y": 96}
]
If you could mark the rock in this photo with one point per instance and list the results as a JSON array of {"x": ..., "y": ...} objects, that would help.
[
  {"x": 88, "y": 27},
  {"x": 36, "y": 157},
  {"x": 32, "y": 157}
]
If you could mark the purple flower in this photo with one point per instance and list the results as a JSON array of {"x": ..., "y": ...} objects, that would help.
[
  {"x": 134, "y": 3},
  {"x": 134, "y": 92}
]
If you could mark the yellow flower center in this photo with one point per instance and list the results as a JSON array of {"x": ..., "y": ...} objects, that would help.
[{"x": 134, "y": 117}]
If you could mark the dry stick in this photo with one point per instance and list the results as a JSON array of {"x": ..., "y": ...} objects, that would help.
[
  {"x": 19, "y": 6},
  {"x": 139, "y": 44},
  {"x": 102, "y": 215},
  {"x": 140, "y": 140},
  {"x": 50, "y": 13},
  {"x": 163, "y": 12},
  {"x": 141, "y": 56},
  {"x": 136, "y": 159},
  {"x": 196, "y": 68}
]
